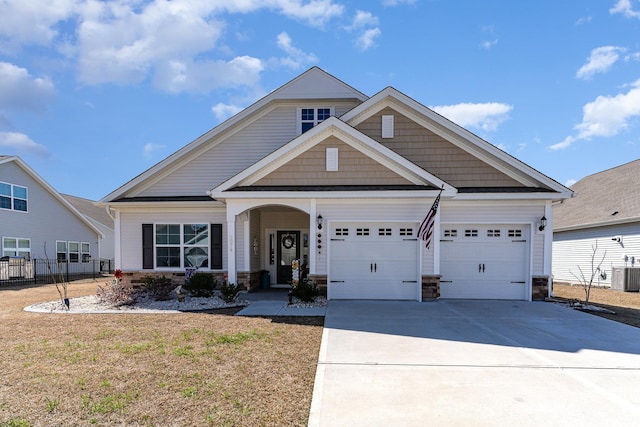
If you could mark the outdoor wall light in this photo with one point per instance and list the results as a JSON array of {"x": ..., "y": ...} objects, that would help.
[
  {"x": 319, "y": 221},
  {"x": 543, "y": 223}
]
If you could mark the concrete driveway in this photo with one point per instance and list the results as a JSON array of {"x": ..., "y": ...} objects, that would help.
[{"x": 474, "y": 363}]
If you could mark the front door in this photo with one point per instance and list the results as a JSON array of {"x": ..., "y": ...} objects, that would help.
[{"x": 288, "y": 250}]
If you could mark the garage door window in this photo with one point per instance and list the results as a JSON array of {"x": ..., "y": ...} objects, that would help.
[
  {"x": 470, "y": 233},
  {"x": 515, "y": 233},
  {"x": 450, "y": 233},
  {"x": 342, "y": 232},
  {"x": 384, "y": 232},
  {"x": 406, "y": 231},
  {"x": 493, "y": 233},
  {"x": 362, "y": 231}
]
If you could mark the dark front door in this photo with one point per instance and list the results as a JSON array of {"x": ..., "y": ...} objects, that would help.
[{"x": 288, "y": 250}]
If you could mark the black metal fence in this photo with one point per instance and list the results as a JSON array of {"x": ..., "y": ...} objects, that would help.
[{"x": 19, "y": 271}]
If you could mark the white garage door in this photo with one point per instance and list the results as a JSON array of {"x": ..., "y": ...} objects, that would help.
[
  {"x": 484, "y": 261},
  {"x": 373, "y": 261}
]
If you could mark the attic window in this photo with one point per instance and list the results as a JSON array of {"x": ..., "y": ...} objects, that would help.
[
  {"x": 310, "y": 117},
  {"x": 387, "y": 126},
  {"x": 332, "y": 159}
]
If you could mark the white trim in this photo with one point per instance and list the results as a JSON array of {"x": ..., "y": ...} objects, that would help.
[{"x": 387, "y": 126}]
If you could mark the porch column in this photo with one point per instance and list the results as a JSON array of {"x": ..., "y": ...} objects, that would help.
[
  {"x": 116, "y": 240},
  {"x": 231, "y": 244},
  {"x": 313, "y": 239}
]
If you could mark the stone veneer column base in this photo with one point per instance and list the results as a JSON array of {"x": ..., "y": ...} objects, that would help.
[
  {"x": 430, "y": 287},
  {"x": 539, "y": 288},
  {"x": 136, "y": 278}
]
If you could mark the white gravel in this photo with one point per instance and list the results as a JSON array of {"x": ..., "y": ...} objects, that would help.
[{"x": 90, "y": 304}]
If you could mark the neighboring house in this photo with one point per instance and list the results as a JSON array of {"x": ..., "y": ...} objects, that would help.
[
  {"x": 37, "y": 223},
  {"x": 101, "y": 219},
  {"x": 320, "y": 172},
  {"x": 605, "y": 211}
]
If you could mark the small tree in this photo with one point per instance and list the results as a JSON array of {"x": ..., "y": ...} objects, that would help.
[
  {"x": 57, "y": 277},
  {"x": 586, "y": 280}
]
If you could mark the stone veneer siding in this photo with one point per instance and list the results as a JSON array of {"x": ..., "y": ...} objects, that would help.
[
  {"x": 430, "y": 287},
  {"x": 539, "y": 288}
]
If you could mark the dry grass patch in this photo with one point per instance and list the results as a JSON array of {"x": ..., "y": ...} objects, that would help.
[
  {"x": 626, "y": 305},
  {"x": 152, "y": 369}
]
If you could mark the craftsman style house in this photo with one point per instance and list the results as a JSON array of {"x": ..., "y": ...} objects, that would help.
[{"x": 319, "y": 172}]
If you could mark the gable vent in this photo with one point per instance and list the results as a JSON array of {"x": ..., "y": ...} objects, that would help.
[
  {"x": 387, "y": 126},
  {"x": 332, "y": 159}
]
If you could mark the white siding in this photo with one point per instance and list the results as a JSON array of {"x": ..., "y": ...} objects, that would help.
[
  {"x": 239, "y": 151},
  {"x": 47, "y": 219},
  {"x": 500, "y": 213},
  {"x": 575, "y": 248},
  {"x": 131, "y": 229},
  {"x": 373, "y": 210}
]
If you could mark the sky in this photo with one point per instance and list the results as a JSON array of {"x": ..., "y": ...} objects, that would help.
[{"x": 93, "y": 93}]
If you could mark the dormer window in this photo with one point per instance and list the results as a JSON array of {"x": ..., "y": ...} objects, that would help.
[{"x": 310, "y": 117}]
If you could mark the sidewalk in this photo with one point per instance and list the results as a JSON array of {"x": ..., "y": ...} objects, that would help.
[{"x": 274, "y": 302}]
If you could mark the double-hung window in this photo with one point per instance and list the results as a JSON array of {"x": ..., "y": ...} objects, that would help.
[
  {"x": 61, "y": 251},
  {"x": 310, "y": 117},
  {"x": 13, "y": 197},
  {"x": 85, "y": 252},
  {"x": 74, "y": 252},
  {"x": 16, "y": 246},
  {"x": 182, "y": 245}
]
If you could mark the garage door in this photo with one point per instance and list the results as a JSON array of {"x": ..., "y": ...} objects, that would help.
[
  {"x": 484, "y": 261},
  {"x": 373, "y": 261}
]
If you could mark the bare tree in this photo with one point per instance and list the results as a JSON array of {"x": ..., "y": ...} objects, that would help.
[
  {"x": 586, "y": 280},
  {"x": 61, "y": 284}
]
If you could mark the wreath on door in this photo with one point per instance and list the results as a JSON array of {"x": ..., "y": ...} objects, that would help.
[{"x": 287, "y": 242}]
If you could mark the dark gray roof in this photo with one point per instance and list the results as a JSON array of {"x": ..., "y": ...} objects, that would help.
[
  {"x": 605, "y": 197},
  {"x": 89, "y": 210}
]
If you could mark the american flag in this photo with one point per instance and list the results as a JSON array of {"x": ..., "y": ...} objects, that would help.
[{"x": 425, "y": 232}]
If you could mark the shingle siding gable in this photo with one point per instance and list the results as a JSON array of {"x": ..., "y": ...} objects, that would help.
[{"x": 434, "y": 154}]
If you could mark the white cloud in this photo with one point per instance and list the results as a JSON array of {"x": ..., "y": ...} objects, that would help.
[
  {"x": 367, "y": 38},
  {"x": 149, "y": 149},
  {"x": 21, "y": 144},
  {"x": 600, "y": 61},
  {"x": 486, "y": 116},
  {"x": 224, "y": 111},
  {"x": 296, "y": 58},
  {"x": 131, "y": 41},
  {"x": 19, "y": 89},
  {"x": 632, "y": 57},
  {"x": 488, "y": 44},
  {"x": 570, "y": 182},
  {"x": 363, "y": 19},
  {"x": 397, "y": 2},
  {"x": 624, "y": 7},
  {"x": 606, "y": 116},
  {"x": 584, "y": 20},
  {"x": 203, "y": 76},
  {"x": 23, "y": 22}
]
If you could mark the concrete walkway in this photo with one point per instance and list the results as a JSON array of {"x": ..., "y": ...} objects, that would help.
[
  {"x": 274, "y": 302},
  {"x": 474, "y": 363}
]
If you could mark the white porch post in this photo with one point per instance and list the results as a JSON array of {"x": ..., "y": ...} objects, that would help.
[
  {"x": 313, "y": 236},
  {"x": 116, "y": 240},
  {"x": 548, "y": 246},
  {"x": 231, "y": 243}
]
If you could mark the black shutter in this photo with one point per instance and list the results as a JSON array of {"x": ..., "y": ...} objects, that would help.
[
  {"x": 216, "y": 246},
  {"x": 147, "y": 246}
]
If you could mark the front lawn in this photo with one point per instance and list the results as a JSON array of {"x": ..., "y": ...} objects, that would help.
[{"x": 151, "y": 369}]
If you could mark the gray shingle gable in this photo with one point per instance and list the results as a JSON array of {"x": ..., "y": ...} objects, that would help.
[{"x": 610, "y": 196}]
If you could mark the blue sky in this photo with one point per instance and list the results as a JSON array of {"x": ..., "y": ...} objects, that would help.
[{"x": 92, "y": 93}]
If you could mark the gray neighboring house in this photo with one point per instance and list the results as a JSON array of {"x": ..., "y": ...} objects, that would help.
[
  {"x": 33, "y": 215},
  {"x": 605, "y": 211},
  {"x": 100, "y": 218}
]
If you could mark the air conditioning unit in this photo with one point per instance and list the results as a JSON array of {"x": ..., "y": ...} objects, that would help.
[{"x": 625, "y": 279}]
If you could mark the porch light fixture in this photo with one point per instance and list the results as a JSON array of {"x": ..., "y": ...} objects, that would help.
[
  {"x": 543, "y": 223},
  {"x": 319, "y": 221}
]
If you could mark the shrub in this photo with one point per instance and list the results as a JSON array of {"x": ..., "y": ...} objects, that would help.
[
  {"x": 229, "y": 292},
  {"x": 201, "y": 285},
  {"x": 306, "y": 291},
  {"x": 158, "y": 288},
  {"x": 116, "y": 294}
]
